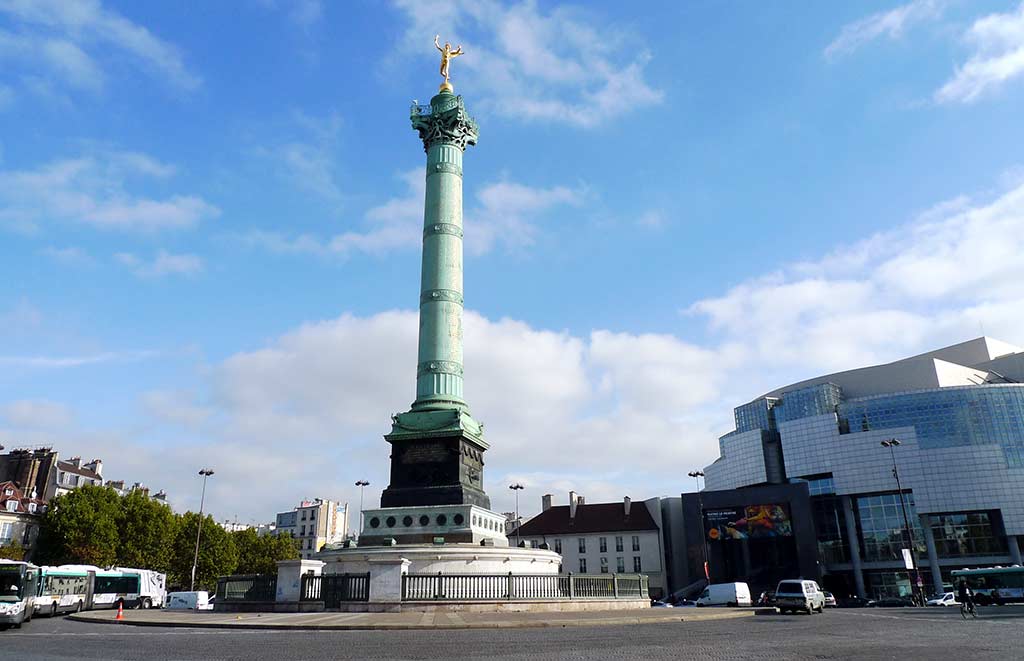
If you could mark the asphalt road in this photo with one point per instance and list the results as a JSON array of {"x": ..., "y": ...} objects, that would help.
[{"x": 838, "y": 634}]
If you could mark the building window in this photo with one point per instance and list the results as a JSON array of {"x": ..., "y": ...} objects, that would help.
[
  {"x": 8, "y": 492},
  {"x": 882, "y": 531},
  {"x": 303, "y": 515},
  {"x": 12, "y": 506},
  {"x": 620, "y": 564},
  {"x": 618, "y": 544},
  {"x": 830, "y": 525},
  {"x": 636, "y": 564},
  {"x": 303, "y": 533},
  {"x": 602, "y": 543},
  {"x": 558, "y": 546},
  {"x": 604, "y": 565},
  {"x": 583, "y": 544},
  {"x": 966, "y": 534},
  {"x": 636, "y": 542},
  {"x": 6, "y": 532},
  {"x": 583, "y": 565}
]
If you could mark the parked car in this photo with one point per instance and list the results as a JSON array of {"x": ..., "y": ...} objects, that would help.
[
  {"x": 725, "y": 594},
  {"x": 661, "y": 604},
  {"x": 891, "y": 602},
  {"x": 853, "y": 602},
  {"x": 800, "y": 595},
  {"x": 948, "y": 599},
  {"x": 685, "y": 603},
  {"x": 830, "y": 601}
]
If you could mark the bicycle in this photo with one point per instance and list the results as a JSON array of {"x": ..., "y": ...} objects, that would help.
[{"x": 968, "y": 608}]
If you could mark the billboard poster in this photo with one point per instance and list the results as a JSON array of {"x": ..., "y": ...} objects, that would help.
[{"x": 748, "y": 522}]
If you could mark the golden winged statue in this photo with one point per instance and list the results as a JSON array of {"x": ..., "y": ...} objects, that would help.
[{"x": 446, "y": 57}]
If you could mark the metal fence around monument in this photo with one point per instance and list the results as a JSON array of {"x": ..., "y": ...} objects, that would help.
[
  {"x": 248, "y": 587},
  {"x": 522, "y": 587},
  {"x": 334, "y": 589}
]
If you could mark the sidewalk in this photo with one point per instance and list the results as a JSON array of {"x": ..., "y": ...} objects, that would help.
[{"x": 409, "y": 620}]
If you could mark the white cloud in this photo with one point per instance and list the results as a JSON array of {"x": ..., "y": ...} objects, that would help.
[
  {"x": 93, "y": 190},
  {"x": 891, "y": 24},
  {"x": 64, "y": 362},
  {"x": 69, "y": 256},
  {"x": 163, "y": 264},
  {"x": 998, "y": 57},
  {"x": 504, "y": 212},
  {"x": 307, "y": 159},
  {"x": 525, "y": 63},
  {"x": 71, "y": 36},
  {"x": 36, "y": 414}
]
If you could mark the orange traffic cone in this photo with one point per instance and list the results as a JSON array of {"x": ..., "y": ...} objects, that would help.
[{"x": 120, "y": 611}]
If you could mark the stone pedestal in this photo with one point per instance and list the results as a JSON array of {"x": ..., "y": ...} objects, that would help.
[
  {"x": 289, "y": 578},
  {"x": 454, "y": 524},
  {"x": 386, "y": 580}
]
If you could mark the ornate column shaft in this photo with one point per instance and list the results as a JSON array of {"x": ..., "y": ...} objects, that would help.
[{"x": 446, "y": 130}]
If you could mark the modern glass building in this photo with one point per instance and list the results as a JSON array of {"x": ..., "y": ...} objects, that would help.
[{"x": 958, "y": 414}]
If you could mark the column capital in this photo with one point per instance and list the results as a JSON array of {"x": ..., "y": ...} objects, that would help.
[{"x": 444, "y": 121}]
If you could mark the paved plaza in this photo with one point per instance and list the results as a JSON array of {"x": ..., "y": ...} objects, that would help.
[{"x": 838, "y": 634}]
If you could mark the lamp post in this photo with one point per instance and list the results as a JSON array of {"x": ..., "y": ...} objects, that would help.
[
  {"x": 205, "y": 472},
  {"x": 361, "y": 484},
  {"x": 696, "y": 475},
  {"x": 892, "y": 443},
  {"x": 517, "y": 488}
]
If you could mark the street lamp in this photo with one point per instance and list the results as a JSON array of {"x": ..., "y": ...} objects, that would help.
[
  {"x": 696, "y": 475},
  {"x": 361, "y": 484},
  {"x": 517, "y": 488},
  {"x": 892, "y": 443},
  {"x": 206, "y": 472}
]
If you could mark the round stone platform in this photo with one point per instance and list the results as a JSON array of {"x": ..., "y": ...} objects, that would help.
[{"x": 443, "y": 559}]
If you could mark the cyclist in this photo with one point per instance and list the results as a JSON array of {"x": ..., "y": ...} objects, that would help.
[{"x": 965, "y": 596}]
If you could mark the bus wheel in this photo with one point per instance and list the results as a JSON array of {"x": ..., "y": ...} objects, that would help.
[{"x": 145, "y": 603}]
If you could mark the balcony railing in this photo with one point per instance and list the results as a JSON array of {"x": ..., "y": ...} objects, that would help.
[{"x": 523, "y": 587}]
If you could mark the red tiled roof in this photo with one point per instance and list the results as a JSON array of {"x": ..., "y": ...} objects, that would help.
[{"x": 590, "y": 518}]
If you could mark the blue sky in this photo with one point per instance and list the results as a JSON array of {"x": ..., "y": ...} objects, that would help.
[{"x": 211, "y": 251}]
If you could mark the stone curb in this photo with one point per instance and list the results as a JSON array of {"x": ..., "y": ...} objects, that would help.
[{"x": 496, "y": 624}]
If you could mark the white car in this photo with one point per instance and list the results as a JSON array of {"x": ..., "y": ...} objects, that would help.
[
  {"x": 830, "y": 600},
  {"x": 948, "y": 599},
  {"x": 799, "y": 595}
]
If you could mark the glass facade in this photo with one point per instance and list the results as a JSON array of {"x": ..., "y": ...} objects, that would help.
[
  {"x": 967, "y": 534},
  {"x": 755, "y": 415},
  {"x": 948, "y": 417},
  {"x": 805, "y": 402},
  {"x": 882, "y": 528},
  {"x": 830, "y": 525}
]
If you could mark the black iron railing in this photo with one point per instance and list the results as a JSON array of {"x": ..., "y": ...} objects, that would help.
[
  {"x": 250, "y": 587},
  {"x": 333, "y": 589},
  {"x": 512, "y": 587}
]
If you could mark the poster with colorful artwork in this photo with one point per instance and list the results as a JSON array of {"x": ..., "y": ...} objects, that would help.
[{"x": 749, "y": 522}]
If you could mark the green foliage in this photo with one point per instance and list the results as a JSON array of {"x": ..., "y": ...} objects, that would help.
[
  {"x": 147, "y": 530},
  {"x": 217, "y": 553},
  {"x": 259, "y": 555},
  {"x": 81, "y": 526},
  {"x": 12, "y": 551}
]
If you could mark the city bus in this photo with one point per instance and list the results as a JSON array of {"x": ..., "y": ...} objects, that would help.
[
  {"x": 64, "y": 589},
  {"x": 87, "y": 587},
  {"x": 133, "y": 588},
  {"x": 994, "y": 585},
  {"x": 17, "y": 592}
]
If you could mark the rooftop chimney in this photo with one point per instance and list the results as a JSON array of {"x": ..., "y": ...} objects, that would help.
[
  {"x": 545, "y": 502},
  {"x": 572, "y": 505},
  {"x": 626, "y": 503},
  {"x": 95, "y": 466},
  {"x": 75, "y": 461}
]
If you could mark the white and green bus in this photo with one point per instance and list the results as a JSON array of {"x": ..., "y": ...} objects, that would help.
[
  {"x": 64, "y": 589},
  {"x": 993, "y": 585},
  {"x": 17, "y": 592}
]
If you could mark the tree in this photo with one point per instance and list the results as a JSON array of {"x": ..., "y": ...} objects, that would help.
[
  {"x": 12, "y": 551},
  {"x": 217, "y": 553},
  {"x": 147, "y": 532},
  {"x": 80, "y": 527},
  {"x": 259, "y": 555}
]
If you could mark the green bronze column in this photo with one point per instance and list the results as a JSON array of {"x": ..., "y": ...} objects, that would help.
[
  {"x": 446, "y": 131},
  {"x": 437, "y": 446}
]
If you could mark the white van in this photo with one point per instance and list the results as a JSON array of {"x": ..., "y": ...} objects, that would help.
[
  {"x": 801, "y": 595},
  {"x": 196, "y": 601},
  {"x": 725, "y": 594}
]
